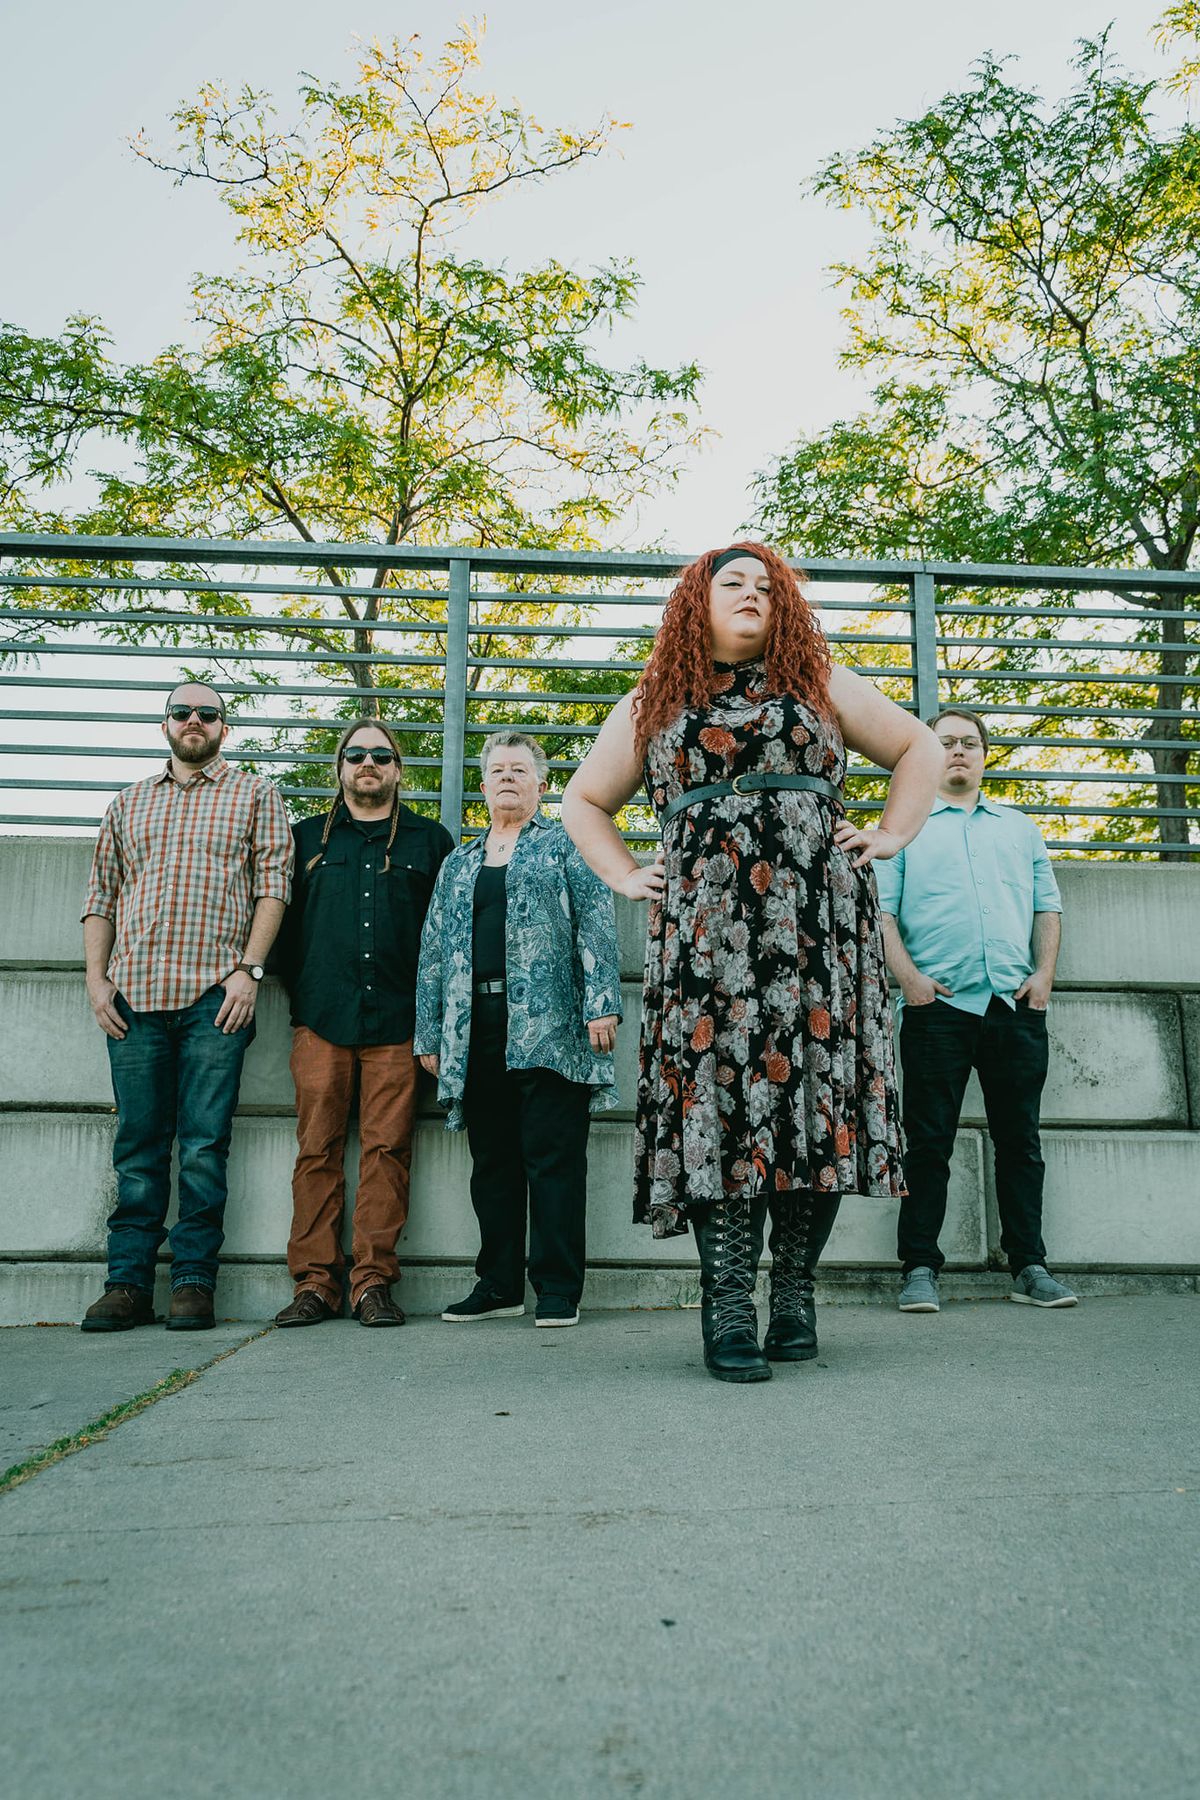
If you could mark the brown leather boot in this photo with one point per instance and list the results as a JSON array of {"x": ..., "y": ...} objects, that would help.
[
  {"x": 191, "y": 1310},
  {"x": 376, "y": 1307},
  {"x": 308, "y": 1308},
  {"x": 120, "y": 1309}
]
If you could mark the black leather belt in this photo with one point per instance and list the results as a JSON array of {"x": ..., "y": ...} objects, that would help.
[
  {"x": 753, "y": 783},
  {"x": 491, "y": 987}
]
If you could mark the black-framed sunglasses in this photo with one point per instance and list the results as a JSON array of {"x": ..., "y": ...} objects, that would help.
[
  {"x": 207, "y": 715},
  {"x": 381, "y": 757}
]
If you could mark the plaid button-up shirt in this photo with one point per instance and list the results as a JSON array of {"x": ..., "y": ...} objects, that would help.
[{"x": 178, "y": 870}]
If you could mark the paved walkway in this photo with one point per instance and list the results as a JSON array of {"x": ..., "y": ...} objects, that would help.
[{"x": 957, "y": 1556}]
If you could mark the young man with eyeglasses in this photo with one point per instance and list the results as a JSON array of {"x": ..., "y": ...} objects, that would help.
[
  {"x": 971, "y": 929},
  {"x": 348, "y": 956},
  {"x": 189, "y": 880}
]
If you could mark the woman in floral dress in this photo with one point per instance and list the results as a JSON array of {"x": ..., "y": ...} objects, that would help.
[{"x": 766, "y": 1082}]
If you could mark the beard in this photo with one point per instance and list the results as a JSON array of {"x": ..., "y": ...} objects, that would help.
[
  {"x": 376, "y": 796},
  {"x": 191, "y": 747}
]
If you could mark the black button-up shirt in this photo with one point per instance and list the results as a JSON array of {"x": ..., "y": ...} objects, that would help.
[{"x": 351, "y": 938}]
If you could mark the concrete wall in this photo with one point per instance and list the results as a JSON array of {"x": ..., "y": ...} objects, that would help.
[{"x": 1122, "y": 1111}]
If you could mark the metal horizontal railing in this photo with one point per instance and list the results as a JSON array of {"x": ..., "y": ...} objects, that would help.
[{"x": 1092, "y": 706}]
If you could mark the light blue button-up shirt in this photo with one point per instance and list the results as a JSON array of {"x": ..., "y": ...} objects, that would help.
[{"x": 963, "y": 895}]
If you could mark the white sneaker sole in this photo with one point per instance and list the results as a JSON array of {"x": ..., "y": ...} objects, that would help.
[
  {"x": 496, "y": 1312},
  {"x": 1028, "y": 1300},
  {"x": 919, "y": 1306},
  {"x": 555, "y": 1324}
]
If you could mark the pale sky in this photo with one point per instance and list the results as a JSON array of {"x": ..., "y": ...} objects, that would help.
[{"x": 732, "y": 106}]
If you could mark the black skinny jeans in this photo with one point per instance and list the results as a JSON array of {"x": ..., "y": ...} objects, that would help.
[
  {"x": 939, "y": 1046},
  {"x": 528, "y": 1131}
]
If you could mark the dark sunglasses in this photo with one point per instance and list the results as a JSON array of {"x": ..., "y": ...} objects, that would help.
[
  {"x": 382, "y": 757},
  {"x": 207, "y": 715}
]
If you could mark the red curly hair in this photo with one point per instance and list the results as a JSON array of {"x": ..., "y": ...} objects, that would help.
[{"x": 679, "y": 671}]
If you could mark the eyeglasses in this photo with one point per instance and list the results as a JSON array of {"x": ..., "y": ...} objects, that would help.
[
  {"x": 207, "y": 715},
  {"x": 968, "y": 743},
  {"x": 382, "y": 757}
]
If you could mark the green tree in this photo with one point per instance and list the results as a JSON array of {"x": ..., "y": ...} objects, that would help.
[
  {"x": 361, "y": 376},
  {"x": 1029, "y": 309}
]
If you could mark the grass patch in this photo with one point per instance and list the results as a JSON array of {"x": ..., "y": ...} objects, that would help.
[{"x": 100, "y": 1428}]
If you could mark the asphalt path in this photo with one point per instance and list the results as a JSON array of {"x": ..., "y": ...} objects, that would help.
[{"x": 956, "y": 1555}]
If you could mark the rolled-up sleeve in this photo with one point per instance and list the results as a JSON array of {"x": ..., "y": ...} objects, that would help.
[
  {"x": 1046, "y": 897},
  {"x": 595, "y": 939},
  {"x": 271, "y": 848},
  {"x": 104, "y": 882},
  {"x": 889, "y": 881}
]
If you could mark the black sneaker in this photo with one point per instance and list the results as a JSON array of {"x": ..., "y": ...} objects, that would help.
[
  {"x": 483, "y": 1304},
  {"x": 553, "y": 1309}
]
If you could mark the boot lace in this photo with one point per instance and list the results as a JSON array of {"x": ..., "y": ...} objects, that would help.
[
  {"x": 791, "y": 1287},
  {"x": 734, "y": 1268}
]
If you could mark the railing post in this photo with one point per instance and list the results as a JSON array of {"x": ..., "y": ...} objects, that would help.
[
  {"x": 454, "y": 712},
  {"x": 925, "y": 657}
]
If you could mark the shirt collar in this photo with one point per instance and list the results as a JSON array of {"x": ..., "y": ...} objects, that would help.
[
  {"x": 212, "y": 771},
  {"x": 538, "y": 818},
  {"x": 981, "y": 805}
]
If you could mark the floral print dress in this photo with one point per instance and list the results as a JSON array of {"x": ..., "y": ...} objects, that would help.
[{"x": 766, "y": 1052}]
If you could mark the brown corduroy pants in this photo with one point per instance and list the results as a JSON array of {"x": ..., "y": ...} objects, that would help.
[{"x": 325, "y": 1075}]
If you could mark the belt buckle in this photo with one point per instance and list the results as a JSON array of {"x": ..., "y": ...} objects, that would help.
[{"x": 736, "y": 783}]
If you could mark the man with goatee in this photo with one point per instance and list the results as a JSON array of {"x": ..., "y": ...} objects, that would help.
[
  {"x": 189, "y": 881},
  {"x": 348, "y": 956}
]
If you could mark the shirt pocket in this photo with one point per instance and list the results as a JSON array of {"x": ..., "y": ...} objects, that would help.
[
  {"x": 409, "y": 891},
  {"x": 330, "y": 875}
]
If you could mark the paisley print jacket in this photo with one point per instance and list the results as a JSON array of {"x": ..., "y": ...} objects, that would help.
[{"x": 561, "y": 960}]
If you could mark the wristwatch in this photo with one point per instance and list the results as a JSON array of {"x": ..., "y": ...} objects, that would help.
[{"x": 253, "y": 970}]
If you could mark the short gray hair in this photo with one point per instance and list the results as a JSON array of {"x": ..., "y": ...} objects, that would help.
[{"x": 513, "y": 740}]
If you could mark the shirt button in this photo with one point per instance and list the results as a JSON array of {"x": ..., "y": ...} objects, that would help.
[
  {"x": 366, "y": 893},
  {"x": 368, "y": 987}
]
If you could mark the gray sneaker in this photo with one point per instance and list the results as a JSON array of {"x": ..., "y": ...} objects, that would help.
[
  {"x": 1034, "y": 1287},
  {"x": 919, "y": 1293}
]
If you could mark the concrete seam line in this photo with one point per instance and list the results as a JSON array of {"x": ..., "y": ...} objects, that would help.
[{"x": 117, "y": 1415}]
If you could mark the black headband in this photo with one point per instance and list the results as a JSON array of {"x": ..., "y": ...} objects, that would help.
[{"x": 728, "y": 556}]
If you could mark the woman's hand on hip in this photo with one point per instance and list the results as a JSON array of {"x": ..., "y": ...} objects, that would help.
[
  {"x": 871, "y": 846},
  {"x": 646, "y": 882},
  {"x": 602, "y": 1034}
]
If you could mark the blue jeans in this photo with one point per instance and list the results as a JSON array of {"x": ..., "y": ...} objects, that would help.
[{"x": 174, "y": 1076}]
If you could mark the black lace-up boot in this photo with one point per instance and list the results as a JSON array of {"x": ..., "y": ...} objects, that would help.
[
  {"x": 729, "y": 1238},
  {"x": 800, "y": 1228}
]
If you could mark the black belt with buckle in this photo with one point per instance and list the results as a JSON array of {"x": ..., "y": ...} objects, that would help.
[
  {"x": 491, "y": 987},
  {"x": 756, "y": 782}
]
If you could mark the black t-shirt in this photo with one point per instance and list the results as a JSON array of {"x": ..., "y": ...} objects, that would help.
[{"x": 491, "y": 911}]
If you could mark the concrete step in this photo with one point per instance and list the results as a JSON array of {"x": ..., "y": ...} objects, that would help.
[
  {"x": 56, "y": 1293},
  {"x": 1125, "y": 926},
  {"x": 62, "y": 1189},
  {"x": 1115, "y": 1059},
  {"x": 1125, "y": 1198}
]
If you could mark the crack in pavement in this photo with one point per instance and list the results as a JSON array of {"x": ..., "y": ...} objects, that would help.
[{"x": 522, "y": 1519}]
